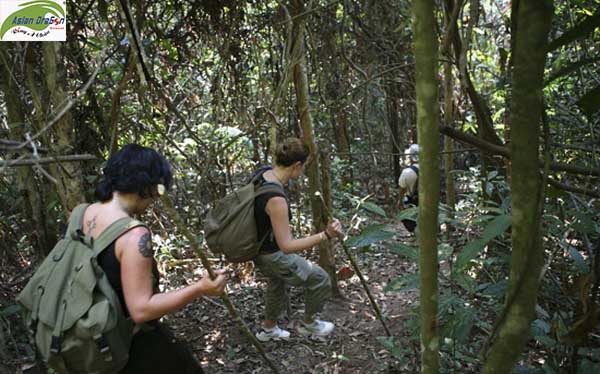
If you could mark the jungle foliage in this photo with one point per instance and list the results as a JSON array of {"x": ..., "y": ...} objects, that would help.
[{"x": 513, "y": 87}]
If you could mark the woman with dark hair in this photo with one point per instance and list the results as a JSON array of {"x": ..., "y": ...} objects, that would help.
[
  {"x": 277, "y": 258},
  {"x": 133, "y": 178}
]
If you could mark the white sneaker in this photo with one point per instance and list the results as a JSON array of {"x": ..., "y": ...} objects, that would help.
[
  {"x": 317, "y": 328},
  {"x": 273, "y": 334}
]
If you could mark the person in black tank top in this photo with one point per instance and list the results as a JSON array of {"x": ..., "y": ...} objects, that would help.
[
  {"x": 133, "y": 178},
  {"x": 277, "y": 259}
]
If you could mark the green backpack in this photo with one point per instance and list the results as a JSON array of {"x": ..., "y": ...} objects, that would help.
[
  {"x": 74, "y": 313},
  {"x": 230, "y": 228}
]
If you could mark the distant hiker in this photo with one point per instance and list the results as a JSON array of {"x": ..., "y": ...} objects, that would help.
[
  {"x": 106, "y": 263},
  {"x": 409, "y": 185},
  {"x": 277, "y": 259}
]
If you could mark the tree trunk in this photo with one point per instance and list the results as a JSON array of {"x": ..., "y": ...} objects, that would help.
[
  {"x": 391, "y": 99},
  {"x": 333, "y": 88},
  {"x": 303, "y": 108},
  {"x": 513, "y": 326},
  {"x": 326, "y": 254},
  {"x": 448, "y": 142},
  {"x": 42, "y": 236},
  {"x": 68, "y": 176},
  {"x": 425, "y": 47}
]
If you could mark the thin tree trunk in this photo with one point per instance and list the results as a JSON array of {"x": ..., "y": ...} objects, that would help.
[
  {"x": 303, "y": 107},
  {"x": 448, "y": 142},
  {"x": 326, "y": 254},
  {"x": 513, "y": 326},
  {"x": 394, "y": 124},
  {"x": 425, "y": 46},
  {"x": 333, "y": 87}
]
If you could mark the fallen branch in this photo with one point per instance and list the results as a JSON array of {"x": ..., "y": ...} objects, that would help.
[
  {"x": 174, "y": 215},
  {"x": 358, "y": 272}
]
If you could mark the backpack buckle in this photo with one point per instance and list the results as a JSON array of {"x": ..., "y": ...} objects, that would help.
[
  {"x": 56, "y": 345},
  {"x": 103, "y": 346},
  {"x": 33, "y": 326}
]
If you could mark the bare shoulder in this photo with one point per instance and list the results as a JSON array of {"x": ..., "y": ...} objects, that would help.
[
  {"x": 138, "y": 239},
  {"x": 277, "y": 203}
]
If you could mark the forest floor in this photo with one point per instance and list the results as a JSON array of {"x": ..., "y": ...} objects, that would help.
[
  {"x": 352, "y": 348},
  {"x": 222, "y": 348}
]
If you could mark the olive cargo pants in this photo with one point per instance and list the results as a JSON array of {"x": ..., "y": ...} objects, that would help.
[{"x": 289, "y": 269}]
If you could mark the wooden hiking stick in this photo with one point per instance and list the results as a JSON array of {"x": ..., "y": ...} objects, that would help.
[
  {"x": 166, "y": 200},
  {"x": 357, "y": 270}
]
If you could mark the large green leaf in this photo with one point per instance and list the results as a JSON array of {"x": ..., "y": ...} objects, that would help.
[
  {"x": 410, "y": 213},
  {"x": 371, "y": 234},
  {"x": 407, "y": 251},
  {"x": 373, "y": 208},
  {"x": 458, "y": 327},
  {"x": 496, "y": 227}
]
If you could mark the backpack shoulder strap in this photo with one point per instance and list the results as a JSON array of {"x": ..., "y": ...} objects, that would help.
[
  {"x": 76, "y": 221},
  {"x": 269, "y": 187},
  {"x": 415, "y": 169},
  {"x": 113, "y": 232},
  {"x": 259, "y": 172}
]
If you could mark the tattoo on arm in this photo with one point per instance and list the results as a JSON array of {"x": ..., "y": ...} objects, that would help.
[
  {"x": 145, "y": 245},
  {"x": 91, "y": 224}
]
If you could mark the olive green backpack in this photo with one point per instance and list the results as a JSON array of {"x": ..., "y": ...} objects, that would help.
[
  {"x": 74, "y": 313},
  {"x": 230, "y": 228}
]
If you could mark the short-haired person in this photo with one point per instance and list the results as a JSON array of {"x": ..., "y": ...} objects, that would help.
[
  {"x": 277, "y": 258},
  {"x": 130, "y": 184},
  {"x": 409, "y": 184}
]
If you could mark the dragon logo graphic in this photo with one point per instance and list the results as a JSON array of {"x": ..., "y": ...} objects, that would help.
[{"x": 33, "y": 15}]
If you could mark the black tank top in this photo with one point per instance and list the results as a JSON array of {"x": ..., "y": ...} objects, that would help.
[
  {"x": 263, "y": 221},
  {"x": 108, "y": 261}
]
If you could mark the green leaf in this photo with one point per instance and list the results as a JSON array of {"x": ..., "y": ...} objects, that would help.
[
  {"x": 459, "y": 325},
  {"x": 410, "y": 252},
  {"x": 444, "y": 251},
  {"x": 373, "y": 208},
  {"x": 392, "y": 346},
  {"x": 407, "y": 282},
  {"x": 370, "y": 235},
  {"x": 494, "y": 289},
  {"x": 496, "y": 227},
  {"x": 587, "y": 366},
  {"x": 9, "y": 310},
  {"x": 410, "y": 213}
]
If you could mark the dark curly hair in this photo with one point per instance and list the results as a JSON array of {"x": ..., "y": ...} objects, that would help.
[{"x": 134, "y": 169}]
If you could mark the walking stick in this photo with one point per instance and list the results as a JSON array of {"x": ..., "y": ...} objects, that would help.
[
  {"x": 358, "y": 272},
  {"x": 228, "y": 304}
]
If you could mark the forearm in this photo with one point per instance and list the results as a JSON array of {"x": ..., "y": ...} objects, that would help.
[
  {"x": 297, "y": 245},
  {"x": 160, "y": 304}
]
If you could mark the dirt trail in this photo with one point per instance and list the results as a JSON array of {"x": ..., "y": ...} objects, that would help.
[{"x": 353, "y": 348}]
